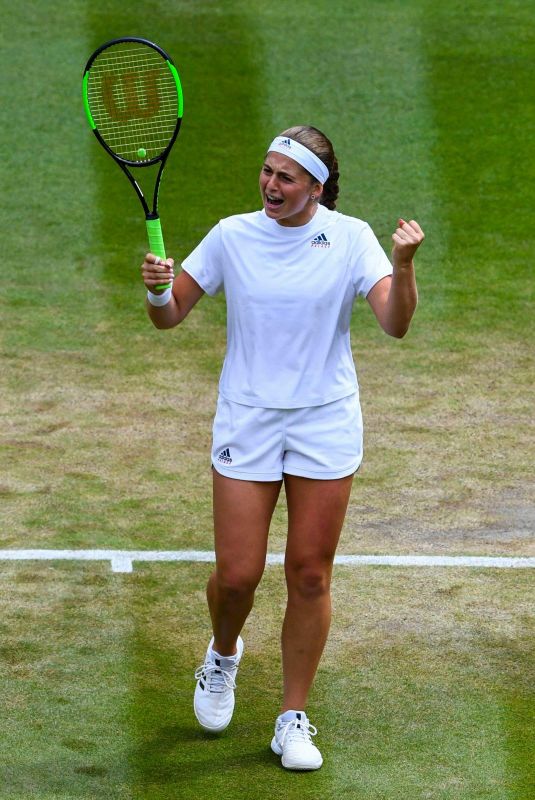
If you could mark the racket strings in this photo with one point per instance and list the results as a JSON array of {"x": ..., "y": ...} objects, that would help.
[{"x": 133, "y": 99}]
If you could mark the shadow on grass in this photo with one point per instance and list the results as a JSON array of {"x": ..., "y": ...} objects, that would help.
[
  {"x": 172, "y": 756},
  {"x": 182, "y": 752}
]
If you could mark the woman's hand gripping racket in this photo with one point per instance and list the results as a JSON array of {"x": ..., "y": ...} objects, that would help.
[{"x": 133, "y": 101}]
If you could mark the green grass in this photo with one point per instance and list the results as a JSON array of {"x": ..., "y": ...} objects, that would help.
[
  {"x": 106, "y": 422},
  {"x": 426, "y": 676}
]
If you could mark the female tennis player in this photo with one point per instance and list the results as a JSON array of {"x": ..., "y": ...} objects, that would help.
[{"x": 288, "y": 408}]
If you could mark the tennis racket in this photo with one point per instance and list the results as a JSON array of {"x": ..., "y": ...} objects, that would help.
[{"x": 133, "y": 101}]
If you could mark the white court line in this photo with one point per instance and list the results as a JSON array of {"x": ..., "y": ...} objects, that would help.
[{"x": 123, "y": 560}]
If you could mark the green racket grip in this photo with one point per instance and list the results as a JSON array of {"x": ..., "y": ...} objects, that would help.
[{"x": 156, "y": 245}]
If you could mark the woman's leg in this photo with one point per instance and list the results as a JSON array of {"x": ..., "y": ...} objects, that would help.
[
  {"x": 316, "y": 512},
  {"x": 242, "y": 515}
]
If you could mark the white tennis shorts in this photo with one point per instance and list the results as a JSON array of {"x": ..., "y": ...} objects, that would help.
[{"x": 260, "y": 444}]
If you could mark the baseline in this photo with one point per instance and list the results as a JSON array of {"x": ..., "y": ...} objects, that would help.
[{"x": 122, "y": 561}]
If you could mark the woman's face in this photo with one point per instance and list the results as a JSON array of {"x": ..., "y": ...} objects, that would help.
[{"x": 286, "y": 189}]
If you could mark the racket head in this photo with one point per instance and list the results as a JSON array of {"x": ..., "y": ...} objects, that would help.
[{"x": 133, "y": 100}]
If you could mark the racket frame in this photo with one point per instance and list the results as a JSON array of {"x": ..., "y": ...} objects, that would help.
[{"x": 152, "y": 218}]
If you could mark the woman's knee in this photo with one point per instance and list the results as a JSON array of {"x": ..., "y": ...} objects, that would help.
[
  {"x": 309, "y": 581},
  {"x": 237, "y": 583}
]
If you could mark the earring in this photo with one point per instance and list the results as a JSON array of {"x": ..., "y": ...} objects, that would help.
[{"x": 312, "y": 196}]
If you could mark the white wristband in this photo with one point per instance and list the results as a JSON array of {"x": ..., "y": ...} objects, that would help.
[{"x": 159, "y": 299}]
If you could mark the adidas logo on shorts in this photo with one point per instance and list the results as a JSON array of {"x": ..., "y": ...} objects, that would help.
[{"x": 224, "y": 456}]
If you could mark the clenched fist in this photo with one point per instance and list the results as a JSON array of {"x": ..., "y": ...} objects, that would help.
[{"x": 407, "y": 239}]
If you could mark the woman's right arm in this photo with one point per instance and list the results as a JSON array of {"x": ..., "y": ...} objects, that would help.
[{"x": 185, "y": 292}]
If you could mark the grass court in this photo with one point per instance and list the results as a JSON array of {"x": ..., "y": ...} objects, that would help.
[{"x": 426, "y": 687}]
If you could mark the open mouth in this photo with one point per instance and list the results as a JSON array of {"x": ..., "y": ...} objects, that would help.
[{"x": 272, "y": 201}]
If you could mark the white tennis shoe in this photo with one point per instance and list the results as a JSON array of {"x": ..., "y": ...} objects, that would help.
[
  {"x": 293, "y": 741},
  {"x": 213, "y": 702}
]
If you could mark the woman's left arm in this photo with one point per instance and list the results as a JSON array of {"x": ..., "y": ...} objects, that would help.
[{"x": 394, "y": 298}]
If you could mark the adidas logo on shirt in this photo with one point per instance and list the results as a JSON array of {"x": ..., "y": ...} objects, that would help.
[
  {"x": 224, "y": 456},
  {"x": 320, "y": 241}
]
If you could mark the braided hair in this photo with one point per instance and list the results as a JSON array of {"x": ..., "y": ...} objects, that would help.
[{"x": 321, "y": 146}]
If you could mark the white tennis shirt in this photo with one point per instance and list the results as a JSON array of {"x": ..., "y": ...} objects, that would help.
[{"x": 289, "y": 293}]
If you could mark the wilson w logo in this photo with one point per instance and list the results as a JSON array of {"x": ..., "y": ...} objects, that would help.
[{"x": 121, "y": 94}]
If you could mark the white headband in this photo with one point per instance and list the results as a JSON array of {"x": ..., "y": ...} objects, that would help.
[{"x": 298, "y": 152}]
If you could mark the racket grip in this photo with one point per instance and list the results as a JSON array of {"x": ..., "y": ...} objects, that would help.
[{"x": 156, "y": 245}]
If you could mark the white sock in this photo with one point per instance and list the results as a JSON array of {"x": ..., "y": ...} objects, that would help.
[
  {"x": 225, "y": 662},
  {"x": 289, "y": 715}
]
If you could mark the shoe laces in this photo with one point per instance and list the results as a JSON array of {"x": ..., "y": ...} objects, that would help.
[
  {"x": 216, "y": 679},
  {"x": 296, "y": 730}
]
